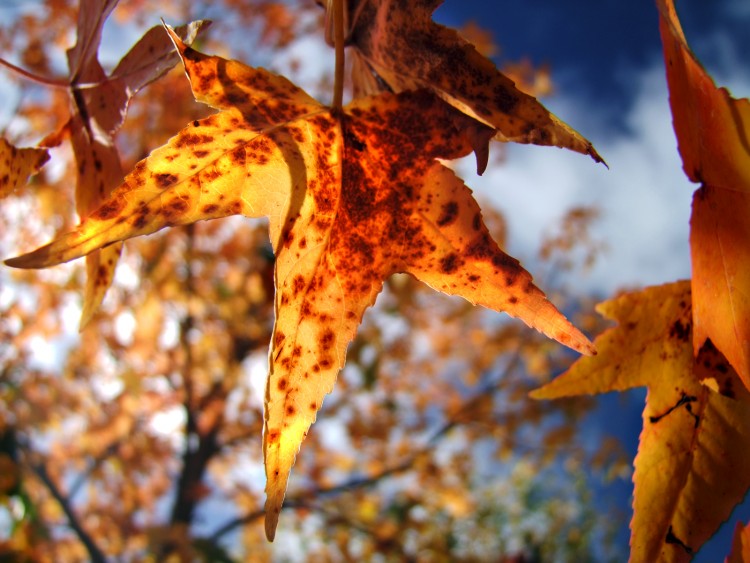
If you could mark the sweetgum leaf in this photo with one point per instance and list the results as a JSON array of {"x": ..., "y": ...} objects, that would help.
[
  {"x": 352, "y": 196},
  {"x": 398, "y": 47},
  {"x": 690, "y": 470},
  {"x": 713, "y": 130}
]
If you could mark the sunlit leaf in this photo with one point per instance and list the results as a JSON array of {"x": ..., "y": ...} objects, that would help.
[
  {"x": 689, "y": 471},
  {"x": 352, "y": 196},
  {"x": 713, "y": 132}
]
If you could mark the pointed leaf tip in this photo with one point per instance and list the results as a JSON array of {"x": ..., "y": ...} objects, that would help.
[{"x": 272, "y": 521}]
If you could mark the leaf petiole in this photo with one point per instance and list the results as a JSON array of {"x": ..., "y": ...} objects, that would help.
[{"x": 338, "y": 46}]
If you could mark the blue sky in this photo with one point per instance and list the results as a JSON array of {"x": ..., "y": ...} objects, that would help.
[{"x": 593, "y": 46}]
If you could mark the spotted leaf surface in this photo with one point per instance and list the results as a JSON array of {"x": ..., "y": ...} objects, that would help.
[
  {"x": 17, "y": 164},
  {"x": 352, "y": 196},
  {"x": 695, "y": 415},
  {"x": 405, "y": 50},
  {"x": 712, "y": 132}
]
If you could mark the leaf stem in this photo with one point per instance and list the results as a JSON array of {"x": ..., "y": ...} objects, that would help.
[
  {"x": 338, "y": 45},
  {"x": 33, "y": 77}
]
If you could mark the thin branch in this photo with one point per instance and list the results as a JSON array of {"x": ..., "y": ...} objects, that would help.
[
  {"x": 338, "y": 45},
  {"x": 33, "y": 77},
  {"x": 96, "y": 462},
  {"x": 95, "y": 554},
  {"x": 301, "y": 499},
  {"x": 195, "y": 459},
  {"x": 490, "y": 384}
]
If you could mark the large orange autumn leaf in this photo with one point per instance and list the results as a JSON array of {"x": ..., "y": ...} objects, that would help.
[
  {"x": 352, "y": 196},
  {"x": 691, "y": 468},
  {"x": 400, "y": 48},
  {"x": 713, "y": 132}
]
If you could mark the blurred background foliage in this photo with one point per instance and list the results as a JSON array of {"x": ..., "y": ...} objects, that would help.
[{"x": 139, "y": 439}]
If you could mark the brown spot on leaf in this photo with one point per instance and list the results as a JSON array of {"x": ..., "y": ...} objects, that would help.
[
  {"x": 176, "y": 207},
  {"x": 448, "y": 214},
  {"x": 680, "y": 331},
  {"x": 450, "y": 263},
  {"x": 298, "y": 284},
  {"x": 278, "y": 338},
  {"x": 164, "y": 180},
  {"x": 109, "y": 210},
  {"x": 327, "y": 339}
]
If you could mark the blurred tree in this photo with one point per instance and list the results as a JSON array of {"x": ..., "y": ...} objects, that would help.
[{"x": 139, "y": 438}]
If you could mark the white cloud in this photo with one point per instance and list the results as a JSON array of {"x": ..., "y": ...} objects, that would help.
[
  {"x": 644, "y": 197},
  {"x": 735, "y": 8}
]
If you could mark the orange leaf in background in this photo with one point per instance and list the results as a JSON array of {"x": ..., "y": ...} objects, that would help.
[
  {"x": 16, "y": 165},
  {"x": 691, "y": 468},
  {"x": 713, "y": 133},
  {"x": 401, "y": 49},
  {"x": 740, "y": 545},
  {"x": 99, "y": 104},
  {"x": 352, "y": 196}
]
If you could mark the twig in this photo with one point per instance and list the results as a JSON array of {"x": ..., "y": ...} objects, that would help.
[
  {"x": 94, "y": 552},
  {"x": 301, "y": 499},
  {"x": 96, "y": 462},
  {"x": 195, "y": 460},
  {"x": 33, "y": 77}
]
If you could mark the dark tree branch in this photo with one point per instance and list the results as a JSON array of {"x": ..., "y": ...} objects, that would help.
[
  {"x": 94, "y": 552},
  {"x": 490, "y": 384},
  {"x": 300, "y": 500},
  {"x": 93, "y": 465},
  {"x": 196, "y": 457}
]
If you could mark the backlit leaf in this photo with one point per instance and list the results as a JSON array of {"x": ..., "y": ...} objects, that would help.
[
  {"x": 403, "y": 49},
  {"x": 352, "y": 196},
  {"x": 713, "y": 131},
  {"x": 695, "y": 417}
]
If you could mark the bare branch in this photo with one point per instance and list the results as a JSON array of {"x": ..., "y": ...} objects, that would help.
[{"x": 94, "y": 552}]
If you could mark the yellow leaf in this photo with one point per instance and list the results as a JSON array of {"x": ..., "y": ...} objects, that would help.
[
  {"x": 712, "y": 131},
  {"x": 406, "y": 50},
  {"x": 352, "y": 196},
  {"x": 16, "y": 165},
  {"x": 689, "y": 471}
]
